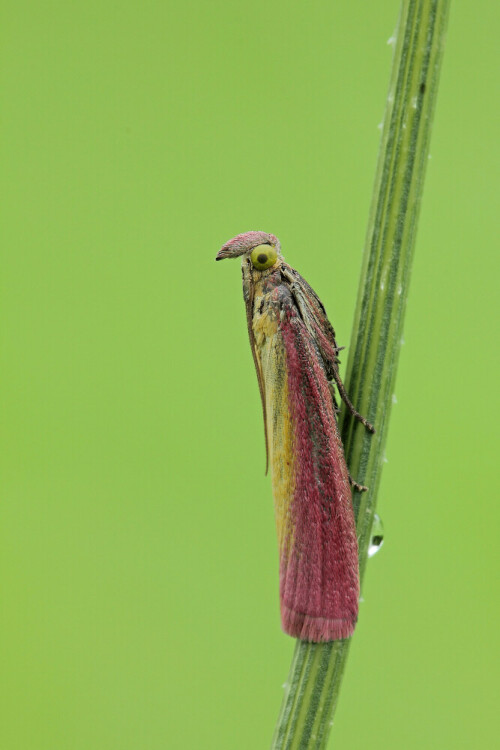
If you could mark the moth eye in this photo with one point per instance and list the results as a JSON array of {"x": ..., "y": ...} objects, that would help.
[{"x": 263, "y": 256}]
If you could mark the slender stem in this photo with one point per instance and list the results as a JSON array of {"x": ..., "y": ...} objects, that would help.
[{"x": 315, "y": 677}]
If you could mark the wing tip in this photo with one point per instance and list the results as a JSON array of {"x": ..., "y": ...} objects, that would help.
[{"x": 316, "y": 629}]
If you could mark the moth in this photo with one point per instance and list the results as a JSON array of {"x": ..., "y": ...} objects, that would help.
[{"x": 296, "y": 358}]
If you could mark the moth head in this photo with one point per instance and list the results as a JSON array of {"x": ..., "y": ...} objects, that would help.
[{"x": 261, "y": 248}]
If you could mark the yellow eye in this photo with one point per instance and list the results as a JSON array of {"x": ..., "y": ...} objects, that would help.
[{"x": 263, "y": 256}]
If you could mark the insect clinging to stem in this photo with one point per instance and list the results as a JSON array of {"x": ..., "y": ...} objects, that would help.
[{"x": 296, "y": 360}]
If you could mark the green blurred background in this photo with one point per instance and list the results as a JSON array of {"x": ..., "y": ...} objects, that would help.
[{"x": 139, "y": 587}]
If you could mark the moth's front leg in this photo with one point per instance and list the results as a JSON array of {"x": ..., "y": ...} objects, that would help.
[{"x": 347, "y": 402}]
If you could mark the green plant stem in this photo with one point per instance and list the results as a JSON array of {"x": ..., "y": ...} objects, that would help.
[{"x": 314, "y": 681}]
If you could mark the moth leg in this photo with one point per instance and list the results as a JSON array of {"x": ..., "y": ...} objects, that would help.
[
  {"x": 356, "y": 485},
  {"x": 350, "y": 407}
]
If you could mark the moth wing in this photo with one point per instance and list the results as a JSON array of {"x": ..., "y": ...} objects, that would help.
[
  {"x": 314, "y": 316},
  {"x": 319, "y": 585}
]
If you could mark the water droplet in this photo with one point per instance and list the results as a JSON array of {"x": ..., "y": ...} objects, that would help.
[
  {"x": 391, "y": 40},
  {"x": 380, "y": 125},
  {"x": 285, "y": 685},
  {"x": 394, "y": 399},
  {"x": 414, "y": 102},
  {"x": 377, "y": 536}
]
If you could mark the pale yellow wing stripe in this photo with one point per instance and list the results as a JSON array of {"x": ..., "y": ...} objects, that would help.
[{"x": 271, "y": 355}]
